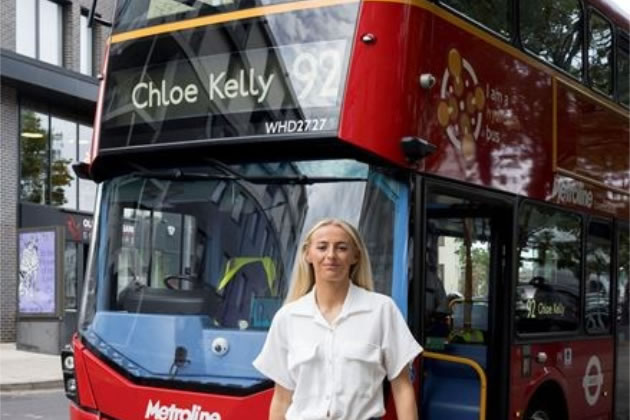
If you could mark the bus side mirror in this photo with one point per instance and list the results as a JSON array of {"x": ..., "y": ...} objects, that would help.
[
  {"x": 82, "y": 170},
  {"x": 416, "y": 148}
]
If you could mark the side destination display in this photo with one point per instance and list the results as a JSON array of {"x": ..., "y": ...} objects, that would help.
[{"x": 246, "y": 78}]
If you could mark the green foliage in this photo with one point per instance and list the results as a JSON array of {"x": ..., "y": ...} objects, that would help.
[
  {"x": 35, "y": 170},
  {"x": 480, "y": 258},
  {"x": 34, "y": 159}
]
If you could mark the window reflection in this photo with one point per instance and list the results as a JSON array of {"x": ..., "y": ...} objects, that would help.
[
  {"x": 547, "y": 295},
  {"x": 49, "y": 145},
  {"x": 70, "y": 271},
  {"x": 623, "y": 70},
  {"x": 63, "y": 154},
  {"x": 600, "y": 54},
  {"x": 552, "y": 29},
  {"x": 34, "y": 157},
  {"x": 87, "y": 188},
  {"x": 598, "y": 269},
  {"x": 622, "y": 378},
  {"x": 494, "y": 14}
]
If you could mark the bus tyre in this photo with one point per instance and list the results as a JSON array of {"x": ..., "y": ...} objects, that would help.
[
  {"x": 542, "y": 410},
  {"x": 538, "y": 413}
]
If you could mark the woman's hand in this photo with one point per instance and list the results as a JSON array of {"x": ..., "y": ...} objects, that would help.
[
  {"x": 404, "y": 396},
  {"x": 280, "y": 403}
]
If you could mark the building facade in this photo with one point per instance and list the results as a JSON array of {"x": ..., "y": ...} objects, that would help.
[{"x": 49, "y": 61}]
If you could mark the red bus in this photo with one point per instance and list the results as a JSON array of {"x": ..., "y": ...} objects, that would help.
[{"x": 482, "y": 148}]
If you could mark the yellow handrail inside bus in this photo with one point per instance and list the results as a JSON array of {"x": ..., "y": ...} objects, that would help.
[
  {"x": 235, "y": 264},
  {"x": 476, "y": 367}
]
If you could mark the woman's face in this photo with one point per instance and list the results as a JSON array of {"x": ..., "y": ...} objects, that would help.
[{"x": 332, "y": 254}]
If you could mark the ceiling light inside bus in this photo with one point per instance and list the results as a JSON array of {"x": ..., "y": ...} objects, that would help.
[{"x": 32, "y": 135}]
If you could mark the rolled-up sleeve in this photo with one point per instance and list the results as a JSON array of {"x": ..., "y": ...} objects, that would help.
[
  {"x": 272, "y": 360},
  {"x": 400, "y": 347}
]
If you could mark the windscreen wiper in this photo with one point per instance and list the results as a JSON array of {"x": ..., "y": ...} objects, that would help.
[
  {"x": 180, "y": 174},
  {"x": 300, "y": 179}
]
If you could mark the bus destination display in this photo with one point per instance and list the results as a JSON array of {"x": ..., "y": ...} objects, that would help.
[{"x": 285, "y": 89}]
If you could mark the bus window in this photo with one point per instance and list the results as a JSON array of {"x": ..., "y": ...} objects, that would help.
[
  {"x": 600, "y": 69},
  {"x": 493, "y": 14},
  {"x": 622, "y": 385},
  {"x": 598, "y": 269},
  {"x": 548, "y": 289},
  {"x": 552, "y": 30},
  {"x": 623, "y": 69}
]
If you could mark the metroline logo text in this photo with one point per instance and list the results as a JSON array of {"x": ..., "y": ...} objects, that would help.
[{"x": 156, "y": 411}]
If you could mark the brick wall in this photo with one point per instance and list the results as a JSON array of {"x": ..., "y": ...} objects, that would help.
[
  {"x": 8, "y": 211},
  {"x": 7, "y": 25}
]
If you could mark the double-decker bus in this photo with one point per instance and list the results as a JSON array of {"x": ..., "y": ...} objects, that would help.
[{"x": 482, "y": 148}]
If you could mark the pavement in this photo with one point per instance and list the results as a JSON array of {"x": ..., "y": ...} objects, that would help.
[{"x": 24, "y": 370}]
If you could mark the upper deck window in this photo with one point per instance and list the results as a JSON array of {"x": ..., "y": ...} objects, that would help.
[
  {"x": 600, "y": 69},
  {"x": 493, "y": 14},
  {"x": 553, "y": 30},
  {"x": 623, "y": 69},
  {"x": 133, "y": 14}
]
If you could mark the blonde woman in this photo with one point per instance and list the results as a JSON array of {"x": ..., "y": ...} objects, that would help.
[{"x": 334, "y": 341}]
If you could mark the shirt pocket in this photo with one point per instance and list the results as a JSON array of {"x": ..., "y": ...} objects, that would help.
[
  {"x": 303, "y": 365},
  {"x": 361, "y": 368}
]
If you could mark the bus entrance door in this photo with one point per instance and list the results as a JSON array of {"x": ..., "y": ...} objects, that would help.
[{"x": 465, "y": 283}]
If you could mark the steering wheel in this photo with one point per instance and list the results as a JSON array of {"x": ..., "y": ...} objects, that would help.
[{"x": 169, "y": 281}]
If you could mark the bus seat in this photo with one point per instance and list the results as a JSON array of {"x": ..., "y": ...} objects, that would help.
[
  {"x": 443, "y": 380},
  {"x": 262, "y": 310},
  {"x": 479, "y": 322},
  {"x": 438, "y": 401}
]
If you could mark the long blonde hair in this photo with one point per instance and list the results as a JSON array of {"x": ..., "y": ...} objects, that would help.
[{"x": 303, "y": 277}]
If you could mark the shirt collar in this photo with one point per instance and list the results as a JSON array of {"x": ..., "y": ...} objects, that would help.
[{"x": 356, "y": 301}]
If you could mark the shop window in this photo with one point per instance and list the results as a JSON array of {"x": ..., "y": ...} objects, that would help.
[
  {"x": 70, "y": 270},
  {"x": 553, "y": 30},
  {"x": 548, "y": 289},
  {"x": 34, "y": 157},
  {"x": 87, "y": 188},
  {"x": 598, "y": 269},
  {"x": 39, "y": 30},
  {"x": 495, "y": 15},
  {"x": 600, "y": 69},
  {"x": 63, "y": 154},
  {"x": 49, "y": 145}
]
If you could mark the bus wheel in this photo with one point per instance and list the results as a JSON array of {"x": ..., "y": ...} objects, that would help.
[{"x": 538, "y": 414}]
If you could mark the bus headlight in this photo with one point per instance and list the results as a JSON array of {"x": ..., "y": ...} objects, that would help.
[
  {"x": 68, "y": 362},
  {"x": 69, "y": 379},
  {"x": 71, "y": 386}
]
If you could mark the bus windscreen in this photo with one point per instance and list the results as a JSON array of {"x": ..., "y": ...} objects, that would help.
[{"x": 261, "y": 76}]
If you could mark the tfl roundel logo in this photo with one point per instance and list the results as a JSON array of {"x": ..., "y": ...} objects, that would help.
[
  {"x": 462, "y": 101},
  {"x": 593, "y": 380}
]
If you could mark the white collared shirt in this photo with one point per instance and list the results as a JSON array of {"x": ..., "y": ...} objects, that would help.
[{"x": 336, "y": 370}]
